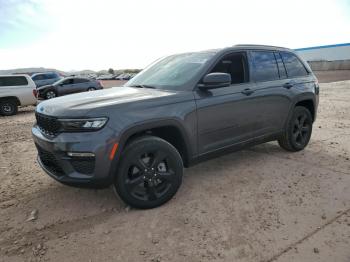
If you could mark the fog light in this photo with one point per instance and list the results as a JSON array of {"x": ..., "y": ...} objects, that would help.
[{"x": 80, "y": 154}]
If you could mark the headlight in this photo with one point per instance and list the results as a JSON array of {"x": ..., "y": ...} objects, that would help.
[{"x": 89, "y": 124}]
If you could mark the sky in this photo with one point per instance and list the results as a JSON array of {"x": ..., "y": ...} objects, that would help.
[{"x": 101, "y": 34}]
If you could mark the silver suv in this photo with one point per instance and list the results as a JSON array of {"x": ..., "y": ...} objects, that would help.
[{"x": 16, "y": 90}]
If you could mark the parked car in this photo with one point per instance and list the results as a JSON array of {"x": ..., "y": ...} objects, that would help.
[
  {"x": 47, "y": 78},
  {"x": 106, "y": 77},
  {"x": 16, "y": 90},
  {"x": 177, "y": 112},
  {"x": 68, "y": 85},
  {"x": 125, "y": 76}
]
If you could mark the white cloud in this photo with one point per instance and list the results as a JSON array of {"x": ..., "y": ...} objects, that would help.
[{"x": 130, "y": 34}]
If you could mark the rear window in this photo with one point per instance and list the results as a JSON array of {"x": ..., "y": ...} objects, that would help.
[
  {"x": 293, "y": 65},
  {"x": 13, "y": 81},
  {"x": 264, "y": 66}
]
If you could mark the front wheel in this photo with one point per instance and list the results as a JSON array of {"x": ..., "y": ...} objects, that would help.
[
  {"x": 50, "y": 94},
  {"x": 150, "y": 173},
  {"x": 298, "y": 132}
]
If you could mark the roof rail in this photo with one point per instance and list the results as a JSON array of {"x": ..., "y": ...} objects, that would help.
[{"x": 267, "y": 46}]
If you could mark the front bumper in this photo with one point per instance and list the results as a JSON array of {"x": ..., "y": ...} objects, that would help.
[{"x": 76, "y": 171}]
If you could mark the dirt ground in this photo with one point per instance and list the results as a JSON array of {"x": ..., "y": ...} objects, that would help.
[{"x": 259, "y": 204}]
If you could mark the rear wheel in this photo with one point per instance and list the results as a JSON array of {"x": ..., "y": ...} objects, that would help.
[
  {"x": 150, "y": 173},
  {"x": 50, "y": 94},
  {"x": 91, "y": 89},
  {"x": 8, "y": 107},
  {"x": 298, "y": 132}
]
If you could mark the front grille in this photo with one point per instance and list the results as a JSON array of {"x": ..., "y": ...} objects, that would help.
[
  {"x": 84, "y": 166},
  {"x": 50, "y": 162},
  {"x": 48, "y": 125}
]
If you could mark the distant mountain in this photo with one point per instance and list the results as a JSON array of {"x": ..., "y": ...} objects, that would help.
[
  {"x": 30, "y": 71},
  {"x": 33, "y": 70}
]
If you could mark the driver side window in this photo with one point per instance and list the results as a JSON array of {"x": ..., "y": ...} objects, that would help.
[
  {"x": 234, "y": 64},
  {"x": 67, "y": 82}
]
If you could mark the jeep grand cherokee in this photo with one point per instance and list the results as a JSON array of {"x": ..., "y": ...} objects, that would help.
[{"x": 178, "y": 111}]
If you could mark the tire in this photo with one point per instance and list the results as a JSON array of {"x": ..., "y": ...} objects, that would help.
[
  {"x": 50, "y": 94},
  {"x": 91, "y": 89},
  {"x": 298, "y": 132},
  {"x": 8, "y": 107},
  {"x": 149, "y": 173}
]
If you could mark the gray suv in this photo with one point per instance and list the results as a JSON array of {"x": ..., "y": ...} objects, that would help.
[
  {"x": 180, "y": 110},
  {"x": 68, "y": 85}
]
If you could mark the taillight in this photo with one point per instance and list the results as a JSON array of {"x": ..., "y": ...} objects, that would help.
[{"x": 35, "y": 93}]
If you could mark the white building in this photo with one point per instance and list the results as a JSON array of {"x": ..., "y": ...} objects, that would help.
[{"x": 326, "y": 52}]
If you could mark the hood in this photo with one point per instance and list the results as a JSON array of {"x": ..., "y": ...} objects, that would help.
[
  {"x": 43, "y": 87},
  {"x": 81, "y": 104}
]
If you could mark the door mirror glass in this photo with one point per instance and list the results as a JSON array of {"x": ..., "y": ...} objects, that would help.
[{"x": 215, "y": 80}]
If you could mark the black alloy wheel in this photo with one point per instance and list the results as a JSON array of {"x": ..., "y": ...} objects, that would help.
[
  {"x": 298, "y": 132},
  {"x": 150, "y": 173}
]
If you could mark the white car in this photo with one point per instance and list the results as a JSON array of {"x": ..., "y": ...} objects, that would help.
[{"x": 16, "y": 90}]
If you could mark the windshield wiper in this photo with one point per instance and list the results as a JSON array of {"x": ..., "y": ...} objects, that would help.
[{"x": 143, "y": 86}]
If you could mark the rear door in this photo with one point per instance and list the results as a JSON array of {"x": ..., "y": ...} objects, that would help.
[
  {"x": 80, "y": 85},
  {"x": 274, "y": 97},
  {"x": 299, "y": 80}
]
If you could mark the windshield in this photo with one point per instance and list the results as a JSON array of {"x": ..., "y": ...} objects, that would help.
[
  {"x": 172, "y": 71},
  {"x": 59, "y": 81}
]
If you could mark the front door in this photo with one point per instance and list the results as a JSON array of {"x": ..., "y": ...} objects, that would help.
[{"x": 226, "y": 115}]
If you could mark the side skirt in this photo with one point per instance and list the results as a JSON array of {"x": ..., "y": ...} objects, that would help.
[{"x": 233, "y": 148}]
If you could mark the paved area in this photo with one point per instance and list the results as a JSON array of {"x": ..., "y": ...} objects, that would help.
[
  {"x": 260, "y": 204},
  {"x": 332, "y": 76}
]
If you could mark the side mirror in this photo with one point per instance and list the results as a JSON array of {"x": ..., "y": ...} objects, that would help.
[{"x": 215, "y": 80}]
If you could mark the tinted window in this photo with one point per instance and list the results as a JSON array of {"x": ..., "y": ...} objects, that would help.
[
  {"x": 38, "y": 77},
  {"x": 281, "y": 68},
  {"x": 80, "y": 80},
  {"x": 264, "y": 66},
  {"x": 50, "y": 76},
  {"x": 13, "y": 81},
  {"x": 67, "y": 82},
  {"x": 293, "y": 65},
  {"x": 235, "y": 65}
]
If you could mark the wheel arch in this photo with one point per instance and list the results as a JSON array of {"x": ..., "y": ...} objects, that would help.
[
  {"x": 153, "y": 128},
  {"x": 169, "y": 129},
  {"x": 15, "y": 98},
  {"x": 307, "y": 101}
]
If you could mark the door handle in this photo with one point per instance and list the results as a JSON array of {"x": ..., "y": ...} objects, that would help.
[
  {"x": 288, "y": 85},
  {"x": 247, "y": 91}
]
